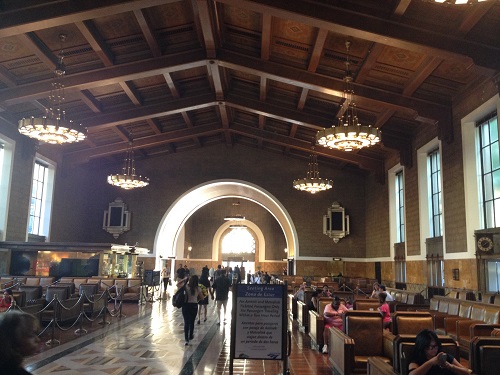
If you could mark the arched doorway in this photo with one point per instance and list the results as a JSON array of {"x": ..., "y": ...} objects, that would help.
[{"x": 167, "y": 236}]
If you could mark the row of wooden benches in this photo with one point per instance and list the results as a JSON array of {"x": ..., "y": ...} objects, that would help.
[{"x": 351, "y": 348}]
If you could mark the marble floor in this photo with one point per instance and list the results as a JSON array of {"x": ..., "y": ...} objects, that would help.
[{"x": 150, "y": 340}]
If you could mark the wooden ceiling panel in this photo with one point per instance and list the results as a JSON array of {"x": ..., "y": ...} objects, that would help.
[
  {"x": 277, "y": 127},
  {"x": 455, "y": 71},
  {"x": 262, "y": 73},
  {"x": 172, "y": 15},
  {"x": 119, "y": 26},
  {"x": 171, "y": 123},
  {"x": 242, "y": 18}
]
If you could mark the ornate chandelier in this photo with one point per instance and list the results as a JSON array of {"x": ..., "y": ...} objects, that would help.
[
  {"x": 457, "y": 2},
  {"x": 349, "y": 134},
  {"x": 312, "y": 183},
  {"x": 53, "y": 127},
  {"x": 128, "y": 179}
]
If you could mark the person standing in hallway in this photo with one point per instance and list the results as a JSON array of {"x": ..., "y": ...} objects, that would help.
[
  {"x": 221, "y": 287},
  {"x": 205, "y": 288},
  {"x": 165, "y": 274},
  {"x": 19, "y": 340},
  {"x": 190, "y": 307}
]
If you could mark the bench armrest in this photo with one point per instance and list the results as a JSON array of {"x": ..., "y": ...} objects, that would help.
[
  {"x": 342, "y": 351},
  {"x": 376, "y": 366}
]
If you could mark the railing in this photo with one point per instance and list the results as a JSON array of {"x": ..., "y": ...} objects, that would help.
[{"x": 85, "y": 309}]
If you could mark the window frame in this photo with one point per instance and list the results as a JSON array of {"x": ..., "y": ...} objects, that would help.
[
  {"x": 435, "y": 192},
  {"x": 46, "y": 198},
  {"x": 487, "y": 171},
  {"x": 7, "y": 152}
]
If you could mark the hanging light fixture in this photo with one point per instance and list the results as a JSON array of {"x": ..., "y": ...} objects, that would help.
[
  {"x": 128, "y": 179},
  {"x": 53, "y": 127},
  {"x": 312, "y": 183},
  {"x": 235, "y": 217},
  {"x": 456, "y": 2},
  {"x": 349, "y": 134}
]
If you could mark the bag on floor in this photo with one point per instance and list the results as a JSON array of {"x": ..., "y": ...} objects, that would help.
[{"x": 180, "y": 297}]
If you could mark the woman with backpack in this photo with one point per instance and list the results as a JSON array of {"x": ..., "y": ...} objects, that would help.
[{"x": 190, "y": 307}]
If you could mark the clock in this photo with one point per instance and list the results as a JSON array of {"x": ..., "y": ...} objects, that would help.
[{"x": 485, "y": 244}]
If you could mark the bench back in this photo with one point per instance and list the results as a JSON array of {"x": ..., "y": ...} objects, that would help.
[
  {"x": 411, "y": 323},
  {"x": 360, "y": 325}
]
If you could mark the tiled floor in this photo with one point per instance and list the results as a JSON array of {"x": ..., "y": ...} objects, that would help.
[{"x": 150, "y": 340}]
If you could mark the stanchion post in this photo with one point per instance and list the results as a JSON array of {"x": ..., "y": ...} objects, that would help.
[{"x": 52, "y": 340}]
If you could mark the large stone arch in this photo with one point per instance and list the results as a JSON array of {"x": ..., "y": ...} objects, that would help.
[{"x": 182, "y": 208}]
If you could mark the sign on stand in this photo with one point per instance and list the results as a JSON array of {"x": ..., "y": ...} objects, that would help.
[{"x": 259, "y": 323}]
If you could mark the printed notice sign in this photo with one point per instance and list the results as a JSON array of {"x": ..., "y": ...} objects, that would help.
[{"x": 259, "y": 321}]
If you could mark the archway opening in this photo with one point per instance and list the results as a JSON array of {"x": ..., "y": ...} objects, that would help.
[{"x": 171, "y": 226}]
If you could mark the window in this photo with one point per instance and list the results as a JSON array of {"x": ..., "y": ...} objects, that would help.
[
  {"x": 400, "y": 207},
  {"x": 435, "y": 268},
  {"x": 238, "y": 241},
  {"x": 41, "y": 198},
  {"x": 6, "y": 165},
  {"x": 489, "y": 159},
  {"x": 434, "y": 190},
  {"x": 493, "y": 276},
  {"x": 400, "y": 265}
]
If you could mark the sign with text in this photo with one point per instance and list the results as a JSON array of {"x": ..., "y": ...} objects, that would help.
[{"x": 259, "y": 322}]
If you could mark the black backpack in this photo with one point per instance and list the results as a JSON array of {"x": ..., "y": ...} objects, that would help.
[{"x": 180, "y": 297}]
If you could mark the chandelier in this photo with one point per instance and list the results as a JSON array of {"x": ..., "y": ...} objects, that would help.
[
  {"x": 236, "y": 218},
  {"x": 456, "y": 2},
  {"x": 53, "y": 127},
  {"x": 312, "y": 183},
  {"x": 349, "y": 134},
  {"x": 128, "y": 179}
]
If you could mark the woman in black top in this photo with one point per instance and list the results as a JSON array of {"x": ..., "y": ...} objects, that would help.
[
  {"x": 202, "y": 305},
  {"x": 429, "y": 359}
]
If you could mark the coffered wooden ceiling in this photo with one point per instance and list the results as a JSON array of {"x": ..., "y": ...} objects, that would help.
[{"x": 267, "y": 74}]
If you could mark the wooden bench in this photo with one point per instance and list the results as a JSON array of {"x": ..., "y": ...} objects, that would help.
[
  {"x": 363, "y": 338},
  {"x": 317, "y": 324}
]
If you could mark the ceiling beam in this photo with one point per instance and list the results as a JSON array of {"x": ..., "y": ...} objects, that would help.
[
  {"x": 369, "y": 27},
  {"x": 43, "y": 16},
  {"x": 83, "y": 156}
]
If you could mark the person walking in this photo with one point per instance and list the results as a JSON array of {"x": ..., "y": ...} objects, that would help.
[
  {"x": 190, "y": 307},
  {"x": 165, "y": 274},
  {"x": 205, "y": 288},
  {"x": 221, "y": 287}
]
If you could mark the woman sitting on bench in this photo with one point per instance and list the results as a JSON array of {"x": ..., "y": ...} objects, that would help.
[
  {"x": 429, "y": 358},
  {"x": 333, "y": 318}
]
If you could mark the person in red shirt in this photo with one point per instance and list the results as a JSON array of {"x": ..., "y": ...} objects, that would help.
[
  {"x": 384, "y": 310},
  {"x": 7, "y": 300}
]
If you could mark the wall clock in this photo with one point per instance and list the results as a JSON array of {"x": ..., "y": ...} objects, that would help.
[{"x": 485, "y": 244}]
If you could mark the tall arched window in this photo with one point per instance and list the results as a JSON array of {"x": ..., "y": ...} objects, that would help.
[{"x": 238, "y": 241}]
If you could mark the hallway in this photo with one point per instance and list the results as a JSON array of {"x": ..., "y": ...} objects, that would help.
[{"x": 150, "y": 340}]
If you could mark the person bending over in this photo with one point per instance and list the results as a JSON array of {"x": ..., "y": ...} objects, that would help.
[{"x": 429, "y": 359}]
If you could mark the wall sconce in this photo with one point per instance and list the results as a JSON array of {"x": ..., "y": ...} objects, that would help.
[
  {"x": 116, "y": 218},
  {"x": 336, "y": 222}
]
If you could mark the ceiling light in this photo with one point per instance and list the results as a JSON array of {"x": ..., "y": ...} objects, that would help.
[
  {"x": 128, "y": 179},
  {"x": 312, "y": 183},
  {"x": 456, "y": 2},
  {"x": 349, "y": 134},
  {"x": 53, "y": 127},
  {"x": 234, "y": 216}
]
